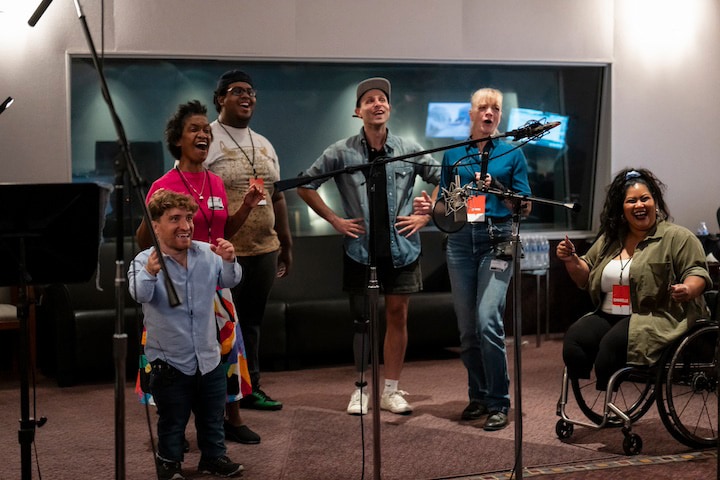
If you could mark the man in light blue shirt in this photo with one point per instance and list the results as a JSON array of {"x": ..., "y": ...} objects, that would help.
[
  {"x": 182, "y": 348},
  {"x": 386, "y": 189}
]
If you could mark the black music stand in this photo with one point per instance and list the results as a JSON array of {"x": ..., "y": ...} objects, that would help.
[{"x": 49, "y": 233}]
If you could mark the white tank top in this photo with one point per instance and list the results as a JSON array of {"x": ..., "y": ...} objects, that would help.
[{"x": 611, "y": 276}]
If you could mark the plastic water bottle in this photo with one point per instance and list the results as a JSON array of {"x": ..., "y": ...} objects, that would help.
[
  {"x": 525, "y": 263},
  {"x": 532, "y": 252},
  {"x": 544, "y": 253},
  {"x": 703, "y": 229}
]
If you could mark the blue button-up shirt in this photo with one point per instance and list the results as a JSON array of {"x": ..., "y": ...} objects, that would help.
[
  {"x": 184, "y": 336},
  {"x": 401, "y": 175},
  {"x": 507, "y": 165}
]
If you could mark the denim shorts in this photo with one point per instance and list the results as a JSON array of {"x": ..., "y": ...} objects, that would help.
[{"x": 393, "y": 281}]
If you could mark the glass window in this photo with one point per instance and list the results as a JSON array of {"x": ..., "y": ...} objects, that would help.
[{"x": 302, "y": 107}]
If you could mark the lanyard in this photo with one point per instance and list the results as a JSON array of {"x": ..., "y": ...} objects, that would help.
[{"x": 252, "y": 146}]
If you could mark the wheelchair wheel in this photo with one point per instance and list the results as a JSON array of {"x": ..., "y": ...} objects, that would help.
[
  {"x": 564, "y": 429},
  {"x": 687, "y": 397},
  {"x": 634, "y": 396}
]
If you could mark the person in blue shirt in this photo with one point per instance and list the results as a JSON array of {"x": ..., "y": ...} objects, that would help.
[
  {"x": 182, "y": 348},
  {"x": 480, "y": 272},
  {"x": 395, "y": 228}
]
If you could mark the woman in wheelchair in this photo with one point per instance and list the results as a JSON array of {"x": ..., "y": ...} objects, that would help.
[
  {"x": 646, "y": 278},
  {"x": 645, "y": 275}
]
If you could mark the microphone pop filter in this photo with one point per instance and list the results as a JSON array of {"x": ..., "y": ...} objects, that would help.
[{"x": 448, "y": 222}]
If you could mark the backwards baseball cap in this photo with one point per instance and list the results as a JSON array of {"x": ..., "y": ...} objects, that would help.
[
  {"x": 378, "y": 83},
  {"x": 227, "y": 79}
]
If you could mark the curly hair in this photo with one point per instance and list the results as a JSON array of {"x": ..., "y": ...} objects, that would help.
[
  {"x": 163, "y": 200},
  {"x": 176, "y": 124},
  {"x": 612, "y": 223}
]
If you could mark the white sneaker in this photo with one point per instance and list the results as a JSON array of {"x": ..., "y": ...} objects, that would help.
[
  {"x": 358, "y": 403},
  {"x": 395, "y": 403}
]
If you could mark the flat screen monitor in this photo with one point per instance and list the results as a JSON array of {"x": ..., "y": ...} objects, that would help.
[
  {"x": 554, "y": 138},
  {"x": 448, "y": 120}
]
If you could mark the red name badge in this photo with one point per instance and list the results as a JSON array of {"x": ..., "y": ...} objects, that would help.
[
  {"x": 261, "y": 185},
  {"x": 621, "y": 299},
  {"x": 476, "y": 209}
]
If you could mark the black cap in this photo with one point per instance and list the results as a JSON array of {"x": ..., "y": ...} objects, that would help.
[{"x": 227, "y": 79}]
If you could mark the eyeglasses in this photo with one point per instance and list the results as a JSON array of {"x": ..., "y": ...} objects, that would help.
[{"x": 237, "y": 91}]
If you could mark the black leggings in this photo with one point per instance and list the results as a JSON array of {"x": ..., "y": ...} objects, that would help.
[{"x": 600, "y": 339}]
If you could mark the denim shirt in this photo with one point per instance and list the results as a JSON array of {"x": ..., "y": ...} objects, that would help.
[{"x": 353, "y": 152}]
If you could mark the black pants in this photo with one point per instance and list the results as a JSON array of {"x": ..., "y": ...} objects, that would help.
[
  {"x": 250, "y": 298},
  {"x": 596, "y": 339}
]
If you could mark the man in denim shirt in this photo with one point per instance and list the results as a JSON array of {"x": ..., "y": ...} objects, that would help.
[{"x": 387, "y": 188}]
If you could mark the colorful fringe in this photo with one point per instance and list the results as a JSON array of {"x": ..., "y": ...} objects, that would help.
[{"x": 232, "y": 351}]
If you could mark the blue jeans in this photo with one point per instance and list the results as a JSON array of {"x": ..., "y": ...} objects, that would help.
[
  {"x": 479, "y": 298},
  {"x": 176, "y": 396}
]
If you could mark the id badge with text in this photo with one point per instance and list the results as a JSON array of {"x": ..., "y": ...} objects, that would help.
[
  {"x": 476, "y": 209},
  {"x": 261, "y": 185},
  {"x": 621, "y": 300}
]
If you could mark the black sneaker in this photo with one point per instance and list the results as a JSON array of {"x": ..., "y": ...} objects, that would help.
[
  {"x": 241, "y": 434},
  {"x": 221, "y": 466},
  {"x": 259, "y": 400},
  {"x": 167, "y": 470}
]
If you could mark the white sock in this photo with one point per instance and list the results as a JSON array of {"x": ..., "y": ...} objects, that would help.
[{"x": 391, "y": 386}]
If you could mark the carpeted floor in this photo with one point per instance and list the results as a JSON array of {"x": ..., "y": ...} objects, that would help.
[{"x": 313, "y": 438}]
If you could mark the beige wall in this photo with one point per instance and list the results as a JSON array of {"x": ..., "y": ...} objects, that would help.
[{"x": 665, "y": 64}]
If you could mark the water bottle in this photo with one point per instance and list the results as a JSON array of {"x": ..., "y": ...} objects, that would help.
[
  {"x": 526, "y": 262},
  {"x": 703, "y": 229},
  {"x": 544, "y": 253},
  {"x": 532, "y": 253}
]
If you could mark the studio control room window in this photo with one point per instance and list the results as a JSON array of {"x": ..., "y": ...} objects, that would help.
[{"x": 305, "y": 106}]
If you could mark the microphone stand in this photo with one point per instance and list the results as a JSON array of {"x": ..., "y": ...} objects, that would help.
[
  {"x": 516, "y": 243},
  {"x": 373, "y": 292},
  {"x": 534, "y": 131},
  {"x": 124, "y": 163}
]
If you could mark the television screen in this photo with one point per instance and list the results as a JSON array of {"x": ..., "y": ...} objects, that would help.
[
  {"x": 448, "y": 120},
  {"x": 554, "y": 138}
]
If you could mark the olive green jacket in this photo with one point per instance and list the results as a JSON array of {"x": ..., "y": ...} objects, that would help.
[{"x": 666, "y": 256}]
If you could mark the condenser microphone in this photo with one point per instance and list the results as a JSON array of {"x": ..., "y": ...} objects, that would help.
[
  {"x": 456, "y": 200},
  {"x": 532, "y": 129}
]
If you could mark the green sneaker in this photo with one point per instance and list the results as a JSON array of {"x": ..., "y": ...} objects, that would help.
[{"x": 259, "y": 400}]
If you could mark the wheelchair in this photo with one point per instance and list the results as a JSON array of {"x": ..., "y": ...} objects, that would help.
[{"x": 683, "y": 384}]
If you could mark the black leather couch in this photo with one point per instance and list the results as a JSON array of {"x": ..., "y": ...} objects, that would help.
[
  {"x": 77, "y": 323},
  {"x": 307, "y": 322}
]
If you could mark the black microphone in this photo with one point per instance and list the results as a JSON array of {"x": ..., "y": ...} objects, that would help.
[
  {"x": 39, "y": 11},
  {"x": 575, "y": 207},
  {"x": 531, "y": 129},
  {"x": 4, "y": 105}
]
